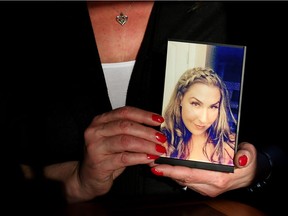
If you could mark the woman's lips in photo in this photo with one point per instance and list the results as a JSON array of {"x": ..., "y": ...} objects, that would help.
[{"x": 199, "y": 126}]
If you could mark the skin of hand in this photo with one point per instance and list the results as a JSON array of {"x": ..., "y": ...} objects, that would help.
[
  {"x": 113, "y": 141},
  {"x": 213, "y": 183}
]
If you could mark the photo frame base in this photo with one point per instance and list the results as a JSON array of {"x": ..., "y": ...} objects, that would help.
[{"x": 195, "y": 164}]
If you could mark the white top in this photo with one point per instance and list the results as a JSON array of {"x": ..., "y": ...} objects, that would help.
[{"x": 117, "y": 76}]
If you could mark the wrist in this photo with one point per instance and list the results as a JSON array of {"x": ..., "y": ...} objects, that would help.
[{"x": 263, "y": 172}]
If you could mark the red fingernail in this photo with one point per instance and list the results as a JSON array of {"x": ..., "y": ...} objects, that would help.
[
  {"x": 160, "y": 148},
  {"x": 161, "y": 137},
  {"x": 157, "y": 118},
  {"x": 152, "y": 157},
  {"x": 156, "y": 172},
  {"x": 243, "y": 160}
]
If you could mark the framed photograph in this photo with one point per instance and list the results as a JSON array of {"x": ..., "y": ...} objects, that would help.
[{"x": 201, "y": 104}]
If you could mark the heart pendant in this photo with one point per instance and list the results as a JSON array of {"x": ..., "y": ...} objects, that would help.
[{"x": 121, "y": 19}]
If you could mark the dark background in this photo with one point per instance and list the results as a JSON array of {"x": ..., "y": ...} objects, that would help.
[{"x": 262, "y": 27}]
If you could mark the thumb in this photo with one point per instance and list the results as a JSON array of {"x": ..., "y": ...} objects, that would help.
[{"x": 245, "y": 155}]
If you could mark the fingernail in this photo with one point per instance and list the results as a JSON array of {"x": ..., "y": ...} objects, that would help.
[
  {"x": 160, "y": 148},
  {"x": 157, "y": 118},
  {"x": 243, "y": 160},
  {"x": 152, "y": 157},
  {"x": 161, "y": 137},
  {"x": 156, "y": 172}
]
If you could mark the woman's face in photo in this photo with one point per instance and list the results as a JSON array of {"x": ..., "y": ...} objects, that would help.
[{"x": 200, "y": 107}]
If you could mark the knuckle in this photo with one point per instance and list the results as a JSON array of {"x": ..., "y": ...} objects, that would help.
[
  {"x": 89, "y": 147},
  {"x": 125, "y": 141},
  {"x": 221, "y": 183},
  {"x": 125, "y": 125},
  {"x": 187, "y": 180},
  {"x": 125, "y": 158},
  {"x": 125, "y": 111},
  {"x": 129, "y": 143},
  {"x": 88, "y": 132},
  {"x": 92, "y": 132}
]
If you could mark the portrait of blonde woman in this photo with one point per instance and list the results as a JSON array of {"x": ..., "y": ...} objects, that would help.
[{"x": 198, "y": 119}]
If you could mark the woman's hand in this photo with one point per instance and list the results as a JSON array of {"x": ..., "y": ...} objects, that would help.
[
  {"x": 115, "y": 140},
  {"x": 214, "y": 183}
]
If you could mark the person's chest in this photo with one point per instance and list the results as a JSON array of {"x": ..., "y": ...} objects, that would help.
[{"x": 116, "y": 42}]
